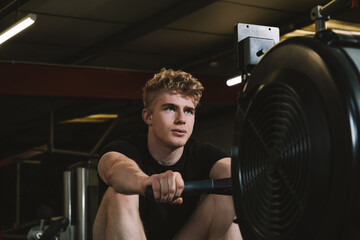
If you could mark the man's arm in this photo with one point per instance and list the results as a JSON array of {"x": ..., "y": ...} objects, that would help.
[
  {"x": 121, "y": 173},
  {"x": 221, "y": 169},
  {"x": 124, "y": 175}
]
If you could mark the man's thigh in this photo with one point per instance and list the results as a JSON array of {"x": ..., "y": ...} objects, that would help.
[
  {"x": 117, "y": 216},
  {"x": 213, "y": 219}
]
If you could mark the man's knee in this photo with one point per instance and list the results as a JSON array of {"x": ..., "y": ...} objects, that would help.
[
  {"x": 222, "y": 203},
  {"x": 115, "y": 206},
  {"x": 119, "y": 203},
  {"x": 118, "y": 215},
  {"x": 213, "y": 219}
]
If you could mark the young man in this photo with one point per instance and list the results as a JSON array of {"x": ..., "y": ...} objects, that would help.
[{"x": 164, "y": 159}]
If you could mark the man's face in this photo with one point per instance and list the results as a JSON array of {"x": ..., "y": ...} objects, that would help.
[{"x": 171, "y": 119}]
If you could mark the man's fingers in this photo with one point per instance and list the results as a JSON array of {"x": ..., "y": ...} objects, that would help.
[
  {"x": 177, "y": 201},
  {"x": 167, "y": 187},
  {"x": 156, "y": 186},
  {"x": 164, "y": 189},
  {"x": 179, "y": 185},
  {"x": 171, "y": 187}
]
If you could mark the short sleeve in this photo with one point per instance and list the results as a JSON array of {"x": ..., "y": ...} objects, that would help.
[
  {"x": 203, "y": 157},
  {"x": 210, "y": 154},
  {"x": 122, "y": 146}
]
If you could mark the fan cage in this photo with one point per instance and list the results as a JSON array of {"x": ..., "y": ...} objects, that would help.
[{"x": 274, "y": 167}]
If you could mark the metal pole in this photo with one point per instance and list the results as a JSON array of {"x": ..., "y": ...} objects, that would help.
[
  {"x": 104, "y": 136},
  {"x": 82, "y": 203},
  {"x": 64, "y": 151},
  {"x": 333, "y": 6},
  {"x": 321, "y": 14},
  {"x": 17, "y": 222},
  {"x": 320, "y": 20},
  {"x": 51, "y": 142},
  {"x": 67, "y": 195}
]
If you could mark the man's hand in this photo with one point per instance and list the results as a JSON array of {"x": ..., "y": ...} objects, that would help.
[{"x": 167, "y": 187}]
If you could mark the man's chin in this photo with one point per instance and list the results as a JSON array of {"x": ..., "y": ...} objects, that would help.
[{"x": 177, "y": 143}]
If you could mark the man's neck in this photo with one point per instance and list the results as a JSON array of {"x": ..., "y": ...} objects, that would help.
[{"x": 163, "y": 154}]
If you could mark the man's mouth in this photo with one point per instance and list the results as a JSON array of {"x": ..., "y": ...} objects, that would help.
[{"x": 178, "y": 132}]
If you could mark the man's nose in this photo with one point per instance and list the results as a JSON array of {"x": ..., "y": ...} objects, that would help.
[{"x": 180, "y": 118}]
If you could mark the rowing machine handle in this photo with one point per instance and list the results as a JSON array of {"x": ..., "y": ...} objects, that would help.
[{"x": 208, "y": 186}]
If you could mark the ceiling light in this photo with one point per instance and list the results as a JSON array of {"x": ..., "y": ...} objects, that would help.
[
  {"x": 95, "y": 118},
  {"x": 17, "y": 27},
  {"x": 233, "y": 81}
]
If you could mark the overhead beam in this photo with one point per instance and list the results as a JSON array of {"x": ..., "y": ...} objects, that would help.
[
  {"x": 9, "y": 6},
  {"x": 65, "y": 81},
  {"x": 139, "y": 29},
  {"x": 20, "y": 157}
]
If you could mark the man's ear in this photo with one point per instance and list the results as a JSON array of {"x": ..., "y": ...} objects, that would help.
[{"x": 147, "y": 117}]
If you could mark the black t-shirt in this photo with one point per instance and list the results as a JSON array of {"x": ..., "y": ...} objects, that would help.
[{"x": 163, "y": 221}]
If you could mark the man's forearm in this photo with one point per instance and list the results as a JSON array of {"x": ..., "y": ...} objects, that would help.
[{"x": 121, "y": 173}]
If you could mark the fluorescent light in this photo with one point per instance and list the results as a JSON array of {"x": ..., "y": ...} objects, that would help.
[
  {"x": 102, "y": 115},
  {"x": 95, "y": 118},
  {"x": 17, "y": 27},
  {"x": 234, "y": 81}
]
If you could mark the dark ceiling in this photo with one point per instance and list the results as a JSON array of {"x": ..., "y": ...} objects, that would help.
[{"x": 143, "y": 35}]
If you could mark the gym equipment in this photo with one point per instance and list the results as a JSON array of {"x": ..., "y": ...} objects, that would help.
[
  {"x": 208, "y": 186},
  {"x": 49, "y": 229},
  {"x": 295, "y": 156},
  {"x": 80, "y": 206},
  {"x": 81, "y": 198},
  {"x": 296, "y": 151}
]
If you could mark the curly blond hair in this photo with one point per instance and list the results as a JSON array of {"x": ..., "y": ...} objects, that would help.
[{"x": 178, "y": 81}]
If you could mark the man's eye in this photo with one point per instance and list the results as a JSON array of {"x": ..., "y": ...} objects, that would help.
[
  {"x": 189, "y": 112},
  {"x": 170, "y": 109}
]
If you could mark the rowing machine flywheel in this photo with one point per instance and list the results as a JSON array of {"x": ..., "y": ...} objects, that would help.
[{"x": 296, "y": 166}]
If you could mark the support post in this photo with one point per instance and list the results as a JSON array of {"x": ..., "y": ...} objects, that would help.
[
  {"x": 18, "y": 177},
  {"x": 67, "y": 196},
  {"x": 82, "y": 180}
]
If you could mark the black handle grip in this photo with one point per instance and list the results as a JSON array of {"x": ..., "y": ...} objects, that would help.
[{"x": 208, "y": 186}]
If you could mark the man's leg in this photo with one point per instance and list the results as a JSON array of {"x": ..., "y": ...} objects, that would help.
[
  {"x": 118, "y": 217},
  {"x": 213, "y": 219}
]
